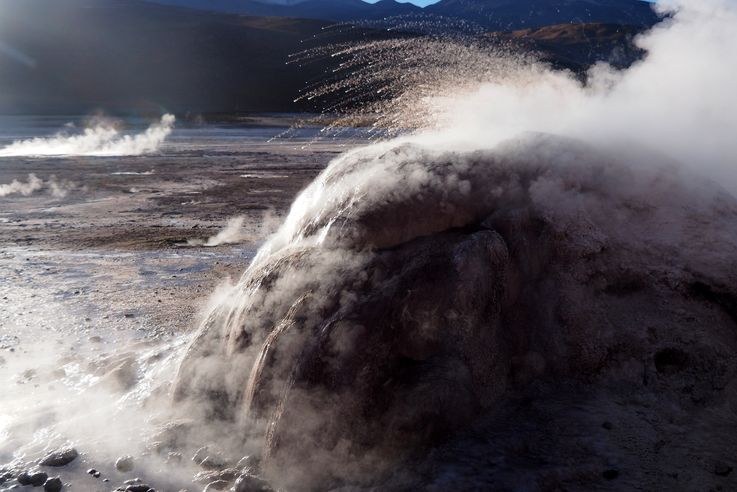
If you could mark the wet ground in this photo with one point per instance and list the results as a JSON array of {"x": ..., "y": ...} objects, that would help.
[{"x": 101, "y": 284}]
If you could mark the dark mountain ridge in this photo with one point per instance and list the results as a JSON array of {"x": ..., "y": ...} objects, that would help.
[
  {"x": 132, "y": 56},
  {"x": 333, "y": 10},
  {"x": 496, "y": 15},
  {"x": 128, "y": 55}
]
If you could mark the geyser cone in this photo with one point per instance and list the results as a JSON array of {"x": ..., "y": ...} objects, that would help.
[
  {"x": 403, "y": 298},
  {"x": 422, "y": 284}
]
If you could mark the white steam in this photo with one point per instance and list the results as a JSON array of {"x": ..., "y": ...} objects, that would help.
[
  {"x": 56, "y": 188},
  {"x": 16, "y": 187},
  {"x": 232, "y": 233},
  {"x": 101, "y": 140},
  {"x": 679, "y": 100}
]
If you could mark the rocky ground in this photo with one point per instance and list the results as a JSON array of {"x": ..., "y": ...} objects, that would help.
[{"x": 103, "y": 275}]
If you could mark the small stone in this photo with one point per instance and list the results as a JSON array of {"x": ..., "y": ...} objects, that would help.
[
  {"x": 124, "y": 464},
  {"x": 216, "y": 485},
  {"x": 60, "y": 457},
  {"x": 53, "y": 485},
  {"x": 35, "y": 478},
  {"x": 93, "y": 472},
  {"x": 132, "y": 481},
  {"x": 228, "y": 475},
  {"x": 212, "y": 463},
  {"x": 250, "y": 483},
  {"x": 722, "y": 469},
  {"x": 174, "y": 457},
  {"x": 5, "y": 476},
  {"x": 139, "y": 487},
  {"x": 200, "y": 455},
  {"x": 248, "y": 463},
  {"x": 610, "y": 474}
]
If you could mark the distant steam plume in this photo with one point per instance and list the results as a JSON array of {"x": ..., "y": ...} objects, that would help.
[
  {"x": 55, "y": 187},
  {"x": 102, "y": 139},
  {"x": 21, "y": 188}
]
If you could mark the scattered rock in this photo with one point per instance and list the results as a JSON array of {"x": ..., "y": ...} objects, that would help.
[
  {"x": 53, "y": 485},
  {"x": 60, "y": 457},
  {"x": 124, "y": 464},
  {"x": 213, "y": 463},
  {"x": 610, "y": 474},
  {"x": 139, "y": 487},
  {"x": 228, "y": 475},
  {"x": 174, "y": 457},
  {"x": 35, "y": 478},
  {"x": 93, "y": 472},
  {"x": 207, "y": 460},
  {"x": 722, "y": 469},
  {"x": 249, "y": 463},
  {"x": 123, "y": 376},
  {"x": 250, "y": 483},
  {"x": 200, "y": 455},
  {"x": 132, "y": 481},
  {"x": 669, "y": 361},
  {"x": 216, "y": 485}
]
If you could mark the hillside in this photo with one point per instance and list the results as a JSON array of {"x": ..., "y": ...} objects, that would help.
[
  {"x": 334, "y": 10},
  {"x": 130, "y": 56},
  {"x": 577, "y": 46},
  {"x": 495, "y": 15},
  {"x": 127, "y": 55},
  {"x": 507, "y": 15}
]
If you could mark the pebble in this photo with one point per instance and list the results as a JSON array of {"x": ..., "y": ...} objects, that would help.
[
  {"x": 722, "y": 469},
  {"x": 216, "y": 485},
  {"x": 124, "y": 464},
  {"x": 212, "y": 463},
  {"x": 93, "y": 472},
  {"x": 36, "y": 478},
  {"x": 200, "y": 455},
  {"x": 174, "y": 457},
  {"x": 610, "y": 474},
  {"x": 139, "y": 487},
  {"x": 53, "y": 485},
  {"x": 60, "y": 457},
  {"x": 249, "y": 483},
  {"x": 248, "y": 463}
]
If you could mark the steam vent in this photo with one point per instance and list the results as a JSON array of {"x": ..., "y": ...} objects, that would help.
[{"x": 512, "y": 302}]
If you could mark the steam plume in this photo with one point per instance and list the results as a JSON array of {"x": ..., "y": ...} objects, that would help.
[
  {"x": 100, "y": 140},
  {"x": 57, "y": 189},
  {"x": 18, "y": 187},
  {"x": 230, "y": 234}
]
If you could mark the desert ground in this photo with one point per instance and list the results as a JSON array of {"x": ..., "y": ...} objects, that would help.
[{"x": 105, "y": 271}]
